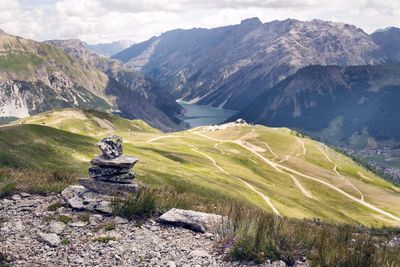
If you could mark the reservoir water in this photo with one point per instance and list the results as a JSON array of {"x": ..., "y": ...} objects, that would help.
[{"x": 200, "y": 115}]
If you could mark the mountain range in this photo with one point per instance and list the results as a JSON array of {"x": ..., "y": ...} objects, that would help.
[
  {"x": 109, "y": 49},
  {"x": 336, "y": 104},
  {"x": 280, "y": 73},
  {"x": 38, "y": 76},
  {"x": 231, "y": 66}
]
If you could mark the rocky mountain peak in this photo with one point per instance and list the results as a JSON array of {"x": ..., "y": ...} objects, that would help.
[
  {"x": 74, "y": 47},
  {"x": 251, "y": 21}
]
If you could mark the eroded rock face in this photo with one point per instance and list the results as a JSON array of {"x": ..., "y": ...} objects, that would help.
[
  {"x": 193, "y": 220},
  {"x": 111, "y": 146}
]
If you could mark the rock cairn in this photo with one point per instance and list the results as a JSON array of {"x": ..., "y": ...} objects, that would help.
[
  {"x": 112, "y": 166},
  {"x": 109, "y": 176}
]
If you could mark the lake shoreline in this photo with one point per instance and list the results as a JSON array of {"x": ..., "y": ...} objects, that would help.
[{"x": 201, "y": 115}]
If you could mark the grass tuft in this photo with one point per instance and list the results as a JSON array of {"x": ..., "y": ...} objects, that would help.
[
  {"x": 141, "y": 205},
  {"x": 65, "y": 241},
  {"x": 54, "y": 206},
  {"x": 7, "y": 189},
  {"x": 109, "y": 226},
  {"x": 33, "y": 181},
  {"x": 64, "y": 219}
]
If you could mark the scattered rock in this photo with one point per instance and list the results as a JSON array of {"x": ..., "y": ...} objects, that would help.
[
  {"x": 16, "y": 197},
  {"x": 78, "y": 224},
  {"x": 120, "y": 220},
  {"x": 394, "y": 242},
  {"x": 200, "y": 253},
  {"x": 278, "y": 264},
  {"x": 193, "y": 220},
  {"x": 149, "y": 244},
  {"x": 25, "y": 205},
  {"x": 56, "y": 227},
  {"x": 95, "y": 219},
  {"x": 52, "y": 239}
]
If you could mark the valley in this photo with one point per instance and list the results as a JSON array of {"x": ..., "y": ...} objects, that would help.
[
  {"x": 200, "y": 133},
  {"x": 269, "y": 168}
]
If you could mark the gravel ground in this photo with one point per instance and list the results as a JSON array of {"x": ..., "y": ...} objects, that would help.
[{"x": 33, "y": 236}]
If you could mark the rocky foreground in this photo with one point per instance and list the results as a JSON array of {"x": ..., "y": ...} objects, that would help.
[{"x": 38, "y": 231}]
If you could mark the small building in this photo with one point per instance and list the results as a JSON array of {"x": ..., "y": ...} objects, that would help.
[{"x": 240, "y": 121}]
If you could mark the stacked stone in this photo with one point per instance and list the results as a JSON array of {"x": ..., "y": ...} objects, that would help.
[{"x": 112, "y": 166}]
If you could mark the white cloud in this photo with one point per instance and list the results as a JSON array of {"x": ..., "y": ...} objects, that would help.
[{"x": 106, "y": 20}]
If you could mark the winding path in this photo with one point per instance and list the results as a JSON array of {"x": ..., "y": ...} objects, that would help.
[
  {"x": 163, "y": 137},
  {"x": 338, "y": 174},
  {"x": 270, "y": 150},
  {"x": 263, "y": 196},
  {"x": 211, "y": 159},
  {"x": 277, "y": 166}
]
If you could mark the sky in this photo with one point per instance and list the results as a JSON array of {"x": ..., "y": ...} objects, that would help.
[{"x": 100, "y": 21}]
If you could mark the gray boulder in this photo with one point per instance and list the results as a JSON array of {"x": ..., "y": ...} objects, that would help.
[
  {"x": 52, "y": 239},
  {"x": 56, "y": 227},
  {"x": 79, "y": 197},
  {"x": 193, "y": 220},
  {"x": 121, "y": 161},
  {"x": 111, "y": 146}
]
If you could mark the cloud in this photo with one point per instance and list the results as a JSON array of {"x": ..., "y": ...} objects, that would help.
[{"x": 105, "y": 20}]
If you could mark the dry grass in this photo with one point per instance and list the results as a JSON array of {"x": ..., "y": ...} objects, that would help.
[
  {"x": 258, "y": 236},
  {"x": 251, "y": 234},
  {"x": 33, "y": 181}
]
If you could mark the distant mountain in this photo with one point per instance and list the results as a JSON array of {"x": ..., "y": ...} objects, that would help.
[
  {"x": 356, "y": 106},
  {"x": 389, "y": 41},
  {"x": 230, "y": 66},
  {"x": 35, "y": 77},
  {"x": 134, "y": 95},
  {"x": 109, "y": 49}
]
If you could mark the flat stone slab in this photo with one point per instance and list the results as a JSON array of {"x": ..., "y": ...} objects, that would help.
[
  {"x": 121, "y": 161},
  {"x": 97, "y": 171},
  {"x": 124, "y": 178},
  {"x": 79, "y": 197},
  {"x": 193, "y": 220},
  {"x": 110, "y": 189}
]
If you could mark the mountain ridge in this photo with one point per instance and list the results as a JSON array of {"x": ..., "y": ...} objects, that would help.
[
  {"x": 230, "y": 66},
  {"x": 38, "y": 76}
]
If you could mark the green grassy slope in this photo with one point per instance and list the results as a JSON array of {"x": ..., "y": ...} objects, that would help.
[{"x": 270, "y": 168}]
